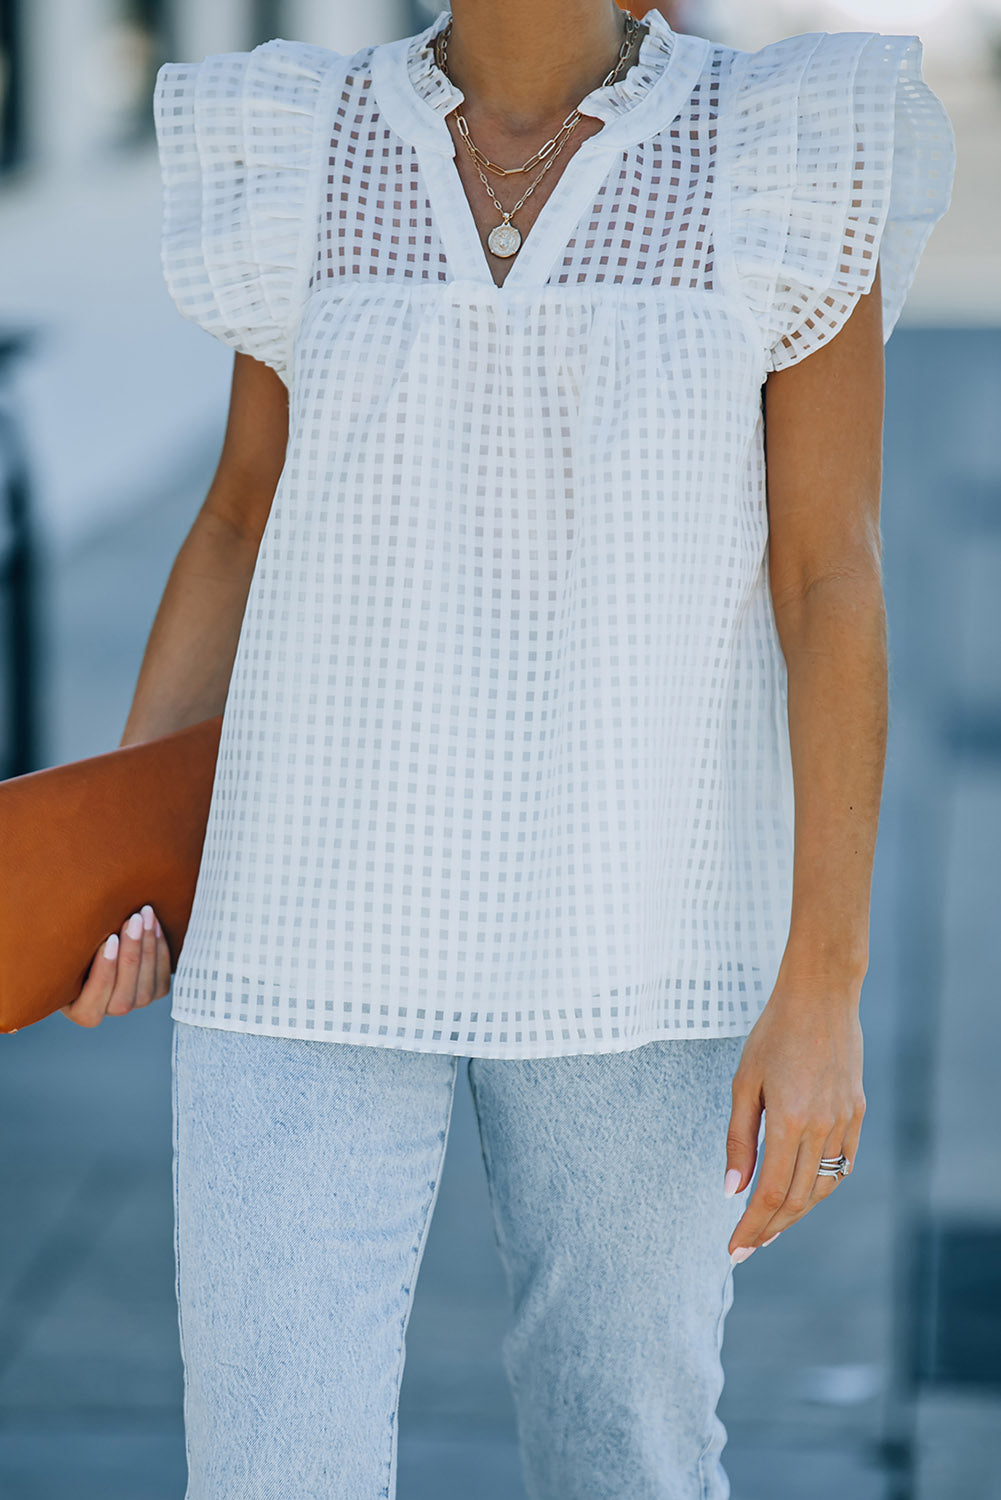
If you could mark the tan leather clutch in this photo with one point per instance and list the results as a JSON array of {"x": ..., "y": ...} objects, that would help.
[{"x": 83, "y": 846}]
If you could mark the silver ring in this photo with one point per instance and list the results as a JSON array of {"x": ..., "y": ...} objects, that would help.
[{"x": 834, "y": 1166}]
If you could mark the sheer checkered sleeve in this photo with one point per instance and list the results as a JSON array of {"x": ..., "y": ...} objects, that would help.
[
  {"x": 235, "y": 135},
  {"x": 840, "y": 155}
]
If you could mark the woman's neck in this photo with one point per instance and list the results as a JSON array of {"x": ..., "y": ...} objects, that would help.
[{"x": 522, "y": 64}]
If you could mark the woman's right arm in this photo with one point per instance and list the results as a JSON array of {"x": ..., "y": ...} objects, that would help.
[{"x": 188, "y": 661}]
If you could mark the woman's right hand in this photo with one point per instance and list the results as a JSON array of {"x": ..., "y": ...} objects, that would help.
[{"x": 127, "y": 972}]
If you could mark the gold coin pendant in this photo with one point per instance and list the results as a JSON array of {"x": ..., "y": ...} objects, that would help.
[{"x": 504, "y": 239}]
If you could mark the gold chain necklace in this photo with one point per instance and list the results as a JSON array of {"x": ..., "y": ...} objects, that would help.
[{"x": 504, "y": 239}]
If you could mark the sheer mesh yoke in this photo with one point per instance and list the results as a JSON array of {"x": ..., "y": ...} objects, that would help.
[{"x": 504, "y": 767}]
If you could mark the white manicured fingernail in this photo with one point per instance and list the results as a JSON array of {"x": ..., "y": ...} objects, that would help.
[
  {"x": 159, "y": 929},
  {"x": 741, "y": 1253},
  {"x": 111, "y": 946},
  {"x": 730, "y": 1182},
  {"x": 147, "y": 916},
  {"x": 771, "y": 1241},
  {"x": 135, "y": 927}
]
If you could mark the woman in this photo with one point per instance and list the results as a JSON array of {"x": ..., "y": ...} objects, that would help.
[{"x": 522, "y": 669}]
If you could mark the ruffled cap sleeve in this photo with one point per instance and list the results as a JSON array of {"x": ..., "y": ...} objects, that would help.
[
  {"x": 839, "y": 155},
  {"x": 235, "y": 135}
]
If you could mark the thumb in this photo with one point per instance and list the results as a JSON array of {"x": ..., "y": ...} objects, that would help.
[{"x": 742, "y": 1139}]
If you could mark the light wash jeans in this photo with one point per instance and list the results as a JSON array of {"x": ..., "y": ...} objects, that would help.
[{"x": 305, "y": 1176}]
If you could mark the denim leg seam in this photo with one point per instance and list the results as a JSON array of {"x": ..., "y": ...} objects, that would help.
[
  {"x": 418, "y": 1250},
  {"x": 177, "y": 1258},
  {"x": 727, "y": 1279},
  {"x": 488, "y": 1173},
  {"x": 513, "y": 1381},
  {"x": 484, "y": 1152},
  {"x": 703, "y": 1478}
]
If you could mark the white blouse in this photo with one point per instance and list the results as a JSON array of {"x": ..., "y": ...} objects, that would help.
[{"x": 504, "y": 767}]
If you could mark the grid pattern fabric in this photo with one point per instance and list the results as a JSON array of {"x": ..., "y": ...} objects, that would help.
[
  {"x": 865, "y": 172},
  {"x": 376, "y": 219},
  {"x": 651, "y": 223},
  {"x": 504, "y": 768},
  {"x": 235, "y": 140}
]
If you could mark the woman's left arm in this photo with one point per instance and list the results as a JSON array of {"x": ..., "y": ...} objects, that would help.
[{"x": 802, "y": 1061}]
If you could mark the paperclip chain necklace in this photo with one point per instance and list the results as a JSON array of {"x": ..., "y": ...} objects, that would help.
[{"x": 504, "y": 239}]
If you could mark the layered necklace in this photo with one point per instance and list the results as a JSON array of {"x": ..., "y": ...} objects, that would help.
[{"x": 504, "y": 239}]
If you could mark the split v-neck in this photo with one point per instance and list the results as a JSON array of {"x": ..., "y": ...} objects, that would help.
[{"x": 414, "y": 96}]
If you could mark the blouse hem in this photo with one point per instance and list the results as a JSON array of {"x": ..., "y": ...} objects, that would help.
[{"x": 460, "y": 1049}]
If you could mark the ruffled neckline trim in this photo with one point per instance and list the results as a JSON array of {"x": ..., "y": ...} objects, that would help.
[{"x": 606, "y": 102}]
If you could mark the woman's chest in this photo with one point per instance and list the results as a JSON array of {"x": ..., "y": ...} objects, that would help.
[
  {"x": 642, "y": 215},
  {"x": 504, "y": 205}
]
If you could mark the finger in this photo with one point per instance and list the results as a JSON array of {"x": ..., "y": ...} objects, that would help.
[
  {"x": 162, "y": 963},
  {"x": 146, "y": 981},
  {"x": 89, "y": 1006},
  {"x": 833, "y": 1148},
  {"x": 161, "y": 978},
  {"x": 157, "y": 959},
  {"x": 806, "y": 1188},
  {"x": 852, "y": 1134},
  {"x": 742, "y": 1134},
  {"x": 781, "y": 1149},
  {"x": 129, "y": 957}
]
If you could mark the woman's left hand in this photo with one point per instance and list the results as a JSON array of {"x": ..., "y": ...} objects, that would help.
[{"x": 802, "y": 1066}]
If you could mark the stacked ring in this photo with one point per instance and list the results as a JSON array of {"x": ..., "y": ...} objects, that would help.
[{"x": 834, "y": 1166}]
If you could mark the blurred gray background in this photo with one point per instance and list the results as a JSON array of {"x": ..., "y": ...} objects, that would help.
[{"x": 863, "y": 1350}]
